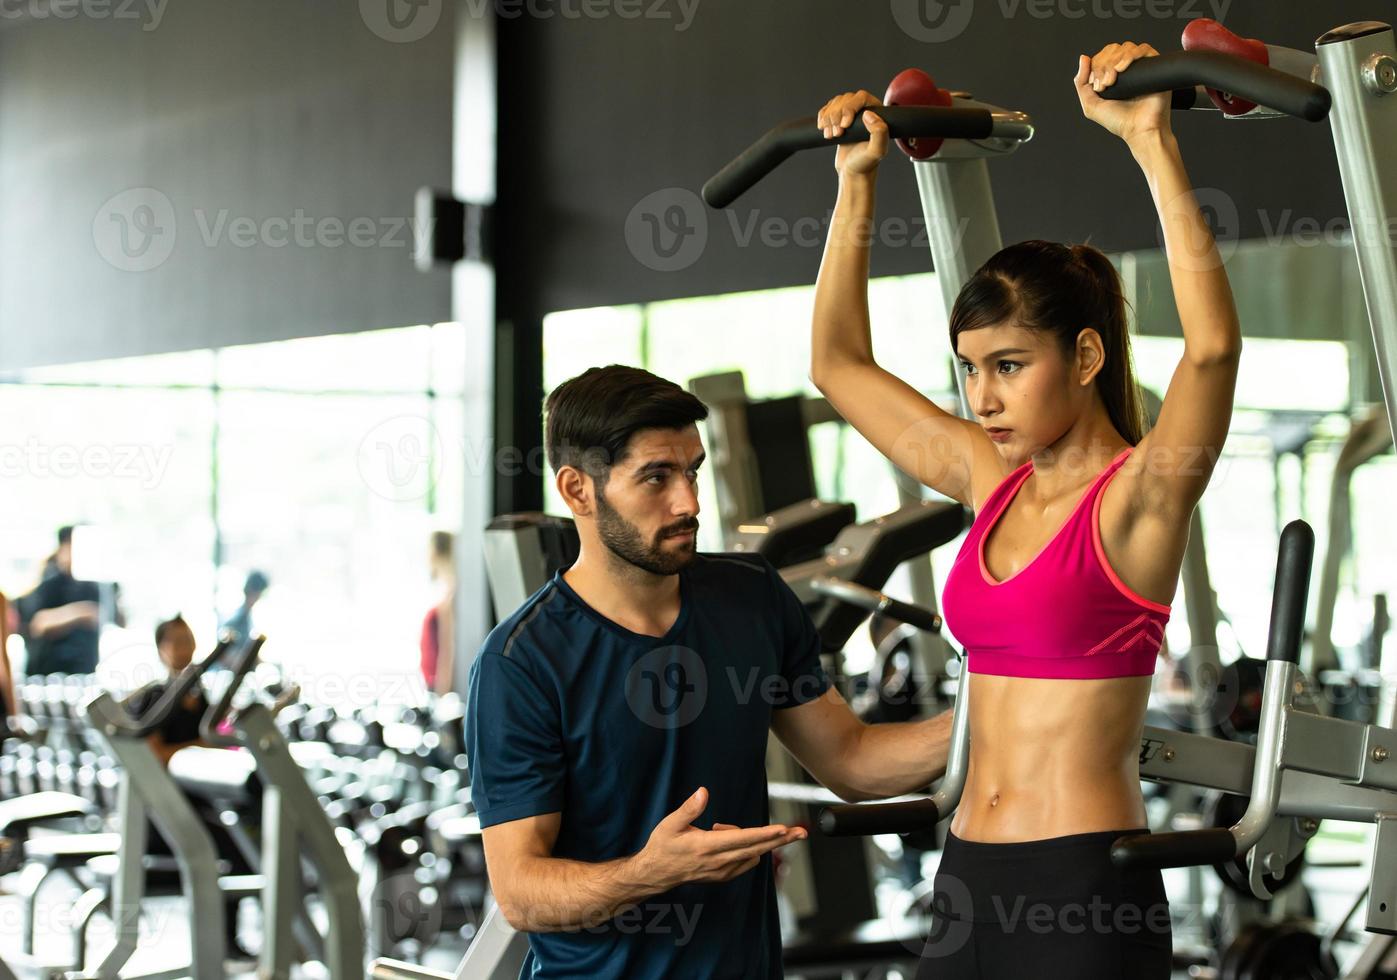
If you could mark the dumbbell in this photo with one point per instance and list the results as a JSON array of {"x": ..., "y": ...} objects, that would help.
[
  {"x": 8, "y": 789},
  {"x": 65, "y": 773},
  {"x": 24, "y": 769},
  {"x": 44, "y": 768}
]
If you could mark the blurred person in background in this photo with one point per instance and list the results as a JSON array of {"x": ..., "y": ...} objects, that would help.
[
  {"x": 174, "y": 641},
  {"x": 9, "y": 700},
  {"x": 240, "y": 622},
  {"x": 438, "y": 629},
  {"x": 61, "y": 618}
]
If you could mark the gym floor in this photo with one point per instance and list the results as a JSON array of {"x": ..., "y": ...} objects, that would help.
[
  {"x": 164, "y": 934},
  {"x": 165, "y": 927}
]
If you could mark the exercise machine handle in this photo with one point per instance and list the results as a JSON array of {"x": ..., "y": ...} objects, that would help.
[
  {"x": 1293, "y": 561},
  {"x": 214, "y": 717},
  {"x": 399, "y": 970},
  {"x": 789, "y": 138},
  {"x": 160, "y": 711},
  {"x": 1181, "y": 72},
  {"x": 1181, "y": 849},
  {"x": 1213, "y": 846},
  {"x": 874, "y": 601},
  {"x": 863, "y": 819}
]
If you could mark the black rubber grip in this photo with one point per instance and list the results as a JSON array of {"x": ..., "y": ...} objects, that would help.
[
  {"x": 863, "y": 819},
  {"x": 862, "y": 597},
  {"x": 1176, "y": 850},
  {"x": 923, "y": 619},
  {"x": 243, "y": 664},
  {"x": 904, "y": 122},
  {"x": 1293, "y": 561},
  {"x": 1236, "y": 76}
]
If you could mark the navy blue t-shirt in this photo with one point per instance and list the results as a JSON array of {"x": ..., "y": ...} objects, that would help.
[{"x": 571, "y": 713}]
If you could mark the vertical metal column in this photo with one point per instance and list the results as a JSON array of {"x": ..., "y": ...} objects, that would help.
[
  {"x": 474, "y": 125},
  {"x": 962, "y": 226},
  {"x": 963, "y": 230},
  {"x": 282, "y": 891},
  {"x": 733, "y": 460},
  {"x": 128, "y": 887},
  {"x": 300, "y": 827},
  {"x": 1358, "y": 65},
  {"x": 1204, "y": 661}
]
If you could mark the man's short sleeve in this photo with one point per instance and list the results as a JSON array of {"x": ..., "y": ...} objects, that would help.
[
  {"x": 513, "y": 742},
  {"x": 33, "y": 602},
  {"x": 804, "y": 676}
]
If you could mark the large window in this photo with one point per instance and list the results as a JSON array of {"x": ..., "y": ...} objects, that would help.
[
  {"x": 766, "y": 335},
  {"x": 323, "y": 462},
  {"x": 1283, "y": 384}
]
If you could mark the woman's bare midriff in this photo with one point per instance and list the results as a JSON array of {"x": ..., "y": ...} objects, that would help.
[{"x": 1052, "y": 757}]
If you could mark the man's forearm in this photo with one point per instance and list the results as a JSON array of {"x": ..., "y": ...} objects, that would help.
[
  {"x": 62, "y": 619},
  {"x": 554, "y": 894},
  {"x": 900, "y": 757}
]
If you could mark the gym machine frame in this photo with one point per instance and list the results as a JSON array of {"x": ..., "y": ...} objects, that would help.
[
  {"x": 1305, "y": 766},
  {"x": 294, "y": 829},
  {"x": 147, "y": 792},
  {"x": 955, "y": 190}
]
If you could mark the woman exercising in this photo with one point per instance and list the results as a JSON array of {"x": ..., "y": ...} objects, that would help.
[{"x": 1062, "y": 587}]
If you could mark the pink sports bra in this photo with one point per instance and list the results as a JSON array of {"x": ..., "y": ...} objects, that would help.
[{"x": 1066, "y": 614}]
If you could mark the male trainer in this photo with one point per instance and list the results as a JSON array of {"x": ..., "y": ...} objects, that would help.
[{"x": 617, "y": 722}]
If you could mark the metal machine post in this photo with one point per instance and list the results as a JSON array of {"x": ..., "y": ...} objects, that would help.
[
  {"x": 1358, "y": 64},
  {"x": 295, "y": 826},
  {"x": 147, "y": 791},
  {"x": 962, "y": 227}
]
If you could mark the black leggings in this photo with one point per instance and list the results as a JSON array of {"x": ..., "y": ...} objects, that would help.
[{"x": 1046, "y": 909}]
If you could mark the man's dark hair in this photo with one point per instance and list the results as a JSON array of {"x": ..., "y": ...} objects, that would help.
[
  {"x": 163, "y": 629},
  {"x": 65, "y": 534},
  {"x": 591, "y": 418}
]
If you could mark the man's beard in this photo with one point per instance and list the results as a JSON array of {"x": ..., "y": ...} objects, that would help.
[{"x": 627, "y": 543}]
